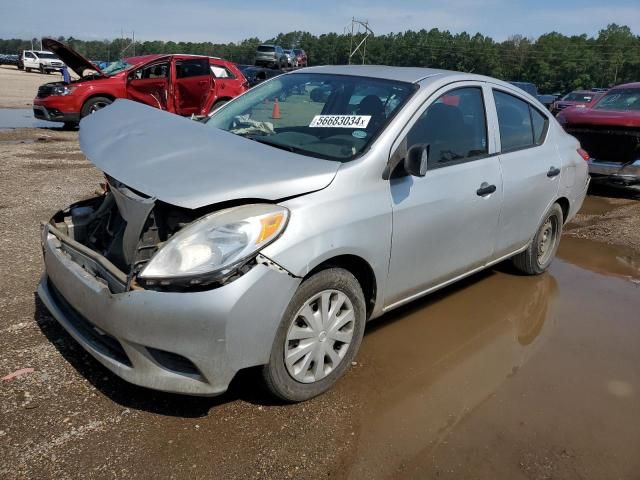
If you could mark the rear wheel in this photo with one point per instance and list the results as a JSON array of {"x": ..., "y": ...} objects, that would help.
[
  {"x": 217, "y": 105},
  {"x": 542, "y": 249},
  {"x": 318, "y": 337},
  {"x": 94, "y": 104}
]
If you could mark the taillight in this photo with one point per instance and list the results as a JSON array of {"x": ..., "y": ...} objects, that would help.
[{"x": 584, "y": 154}]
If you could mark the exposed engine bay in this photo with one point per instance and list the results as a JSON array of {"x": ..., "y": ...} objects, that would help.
[{"x": 127, "y": 228}]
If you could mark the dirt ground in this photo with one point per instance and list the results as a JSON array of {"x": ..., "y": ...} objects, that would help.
[
  {"x": 17, "y": 87},
  {"x": 499, "y": 376}
]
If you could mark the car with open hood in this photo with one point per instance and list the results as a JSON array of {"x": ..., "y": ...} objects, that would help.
[
  {"x": 610, "y": 131},
  {"x": 270, "y": 233},
  {"x": 181, "y": 84}
]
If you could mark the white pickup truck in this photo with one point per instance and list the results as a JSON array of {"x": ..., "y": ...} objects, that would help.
[{"x": 41, "y": 60}]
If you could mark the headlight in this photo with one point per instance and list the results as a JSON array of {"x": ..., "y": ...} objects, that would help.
[
  {"x": 214, "y": 245},
  {"x": 62, "y": 90}
]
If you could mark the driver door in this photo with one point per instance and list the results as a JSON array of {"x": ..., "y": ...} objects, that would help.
[
  {"x": 193, "y": 83},
  {"x": 150, "y": 84}
]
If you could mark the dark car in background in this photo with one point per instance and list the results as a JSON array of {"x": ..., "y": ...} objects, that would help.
[
  {"x": 256, "y": 75},
  {"x": 301, "y": 57},
  {"x": 577, "y": 98},
  {"x": 8, "y": 59},
  {"x": 545, "y": 99},
  {"x": 271, "y": 56}
]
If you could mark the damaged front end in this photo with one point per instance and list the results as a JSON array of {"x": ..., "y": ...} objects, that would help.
[
  {"x": 614, "y": 152},
  {"x": 114, "y": 237}
]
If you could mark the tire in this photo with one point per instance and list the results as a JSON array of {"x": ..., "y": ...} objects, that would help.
[
  {"x": 339, "y": 287},
  {"x": 69, "y": 126},
  {"x": 93, "y": 105},
  {"x": 542, "y": 249},
  {"x": 217, "y": 105}
]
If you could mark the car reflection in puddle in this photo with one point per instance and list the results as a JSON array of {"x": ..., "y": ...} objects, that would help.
[{"x": 431, "y": 363}]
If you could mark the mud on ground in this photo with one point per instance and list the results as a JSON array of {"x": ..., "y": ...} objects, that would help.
[{"x": 499, "y": 376}]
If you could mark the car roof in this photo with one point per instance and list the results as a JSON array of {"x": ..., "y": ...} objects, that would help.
[
  {"x": 627, "y": 85},
  {"x": 385, "y": 72}
]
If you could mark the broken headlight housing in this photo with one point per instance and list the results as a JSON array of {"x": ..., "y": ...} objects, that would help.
[{"x": 214, "y": 246}]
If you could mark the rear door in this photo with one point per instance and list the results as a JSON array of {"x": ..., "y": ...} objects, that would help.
[
  {"x": 192, "y": 85},
  {"x": 149, "y": 84},
  {"x": 531, "y": 168},
  {"x": 445, "y": 223}
]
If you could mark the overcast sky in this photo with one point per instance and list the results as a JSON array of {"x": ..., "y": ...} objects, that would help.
[{"x": 233, "y": 20}]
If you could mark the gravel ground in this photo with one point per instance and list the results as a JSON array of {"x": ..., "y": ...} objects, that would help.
[{"x": 455, "y": 386}]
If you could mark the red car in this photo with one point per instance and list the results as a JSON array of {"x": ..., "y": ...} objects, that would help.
[
  {"x": 301, "y": 57},
  {"x": 182, "y": 84},
  {"x": 610, "y": 132},
  {"x": 577, "y": 98}
]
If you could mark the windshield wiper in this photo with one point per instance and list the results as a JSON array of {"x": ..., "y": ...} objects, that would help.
[{"x": 281, "y": 146}]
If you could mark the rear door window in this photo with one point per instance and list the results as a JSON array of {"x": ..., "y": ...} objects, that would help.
[
  {"x": 192, "y": 68},
  {"x": 521, "y": 124}
]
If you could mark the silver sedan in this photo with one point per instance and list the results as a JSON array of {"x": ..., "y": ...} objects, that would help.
[{"x": 270, "y": 233}]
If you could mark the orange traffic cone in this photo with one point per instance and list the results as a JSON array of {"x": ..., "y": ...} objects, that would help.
[{"x": 276, "y": 110}]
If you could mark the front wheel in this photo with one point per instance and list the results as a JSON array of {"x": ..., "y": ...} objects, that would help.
[
  {"x": 94, "y": 104},
  {"x": 542, "y": 249},
  {"x": 318, "y": 337}
]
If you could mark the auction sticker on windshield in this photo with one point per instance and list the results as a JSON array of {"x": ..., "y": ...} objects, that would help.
[{"x": 340, "y": 121}]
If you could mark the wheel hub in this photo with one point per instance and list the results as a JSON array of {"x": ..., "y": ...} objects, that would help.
[{"x": 319, "y": 336}]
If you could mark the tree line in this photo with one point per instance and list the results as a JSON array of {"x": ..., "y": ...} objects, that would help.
[{"x": 553, "y": 61}]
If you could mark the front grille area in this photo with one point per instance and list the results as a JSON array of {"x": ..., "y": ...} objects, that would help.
[
  {"x": 608, "y": 143},
  {"x": 45, "y": 90},
  {"x": 100, "y": 341}
]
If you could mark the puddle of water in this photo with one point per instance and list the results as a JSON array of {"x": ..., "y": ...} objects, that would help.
[
  {"x": 479, "y": 360},
  {"x": 22, "y": 118},
  {"x": 601, "y": 258}
]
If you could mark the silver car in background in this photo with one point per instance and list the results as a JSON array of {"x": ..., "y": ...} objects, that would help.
[{"x": 269, "y": 237}]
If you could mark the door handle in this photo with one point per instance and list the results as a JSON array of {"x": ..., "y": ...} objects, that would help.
[
  {"x": 553, "y": 172},
  {"x": 485, "y": 189}
]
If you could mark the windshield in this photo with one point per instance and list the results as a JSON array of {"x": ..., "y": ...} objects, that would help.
[
  {"x": 46, "y": 55},
  {"x": 115, "y": 67},
  {"x": 622, "y": 99},
  {"x": 320, "y": 115},
  {"x": 578, "y": 97},
  {"x": 264, "y": 48}
]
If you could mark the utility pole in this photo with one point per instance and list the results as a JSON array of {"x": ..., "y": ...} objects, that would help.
[{"x": 355, "y": 30}]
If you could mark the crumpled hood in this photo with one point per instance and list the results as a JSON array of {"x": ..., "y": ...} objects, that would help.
[{"x": 190, "y": 164}]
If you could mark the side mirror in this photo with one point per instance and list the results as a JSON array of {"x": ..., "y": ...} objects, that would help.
[{"x": 415, "y": 163}]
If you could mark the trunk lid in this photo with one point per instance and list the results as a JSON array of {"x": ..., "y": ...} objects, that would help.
[
  {"x": 192, "y": 165},
  {"x": 76, "y": 62}
]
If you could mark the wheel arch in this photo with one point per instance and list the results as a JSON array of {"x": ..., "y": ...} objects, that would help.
[
  {"x": 565, "y": 206},
  {"x": 359, "y": 268},
  {"x": 94, "y": 95}
]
